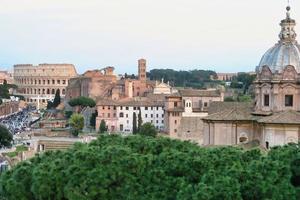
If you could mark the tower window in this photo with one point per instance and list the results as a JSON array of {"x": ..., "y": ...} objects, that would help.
[
  {"x": 288, "y": 100},
  {"x": 267, "y": 100}
]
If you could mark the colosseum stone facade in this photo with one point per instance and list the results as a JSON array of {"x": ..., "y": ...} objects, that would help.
[{"x": 38, "y": 84}]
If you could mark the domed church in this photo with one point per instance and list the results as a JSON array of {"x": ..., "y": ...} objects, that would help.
[{"x": 274, "y": 118}]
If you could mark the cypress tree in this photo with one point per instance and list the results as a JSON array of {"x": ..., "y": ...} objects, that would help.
[
  {"x": 140, "y": 121},
  {"x": 102, "y": 128},
  {"x": 134, "y": 127},
  {"x": 56, "y": 100}
]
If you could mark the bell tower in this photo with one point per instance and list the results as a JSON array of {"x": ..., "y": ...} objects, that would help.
[{"x": 142, "y": 69}]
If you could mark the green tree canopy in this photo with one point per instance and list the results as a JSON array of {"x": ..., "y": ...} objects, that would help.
[
  {"x": 148, "y": 129},
  {"x": 137, "y": 167},
  {"x": 140, "y": 120},
  {"x": 102, "y": 128},
  {"x": 93, "y": 119},
  {"x": 77, "y": 123},
  {"x": 57, "y": 99},
  {"x": 5, "y": 137},
  {"x": 82, "y": 102},
  {"x": 193, "y": 78},
  {"x": 134, "y": 124}
]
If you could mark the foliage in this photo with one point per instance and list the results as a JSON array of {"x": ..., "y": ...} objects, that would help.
[
  {"x": 93, "y": 119},
  {"x": 102, "y": 128},
  {"x": 140, "y": 121},
  {"x": 4, "y": 90},
  {"x": 1, "y": 101},
  {"x": 134, "y": 125},
  {"x": 68, "y": 114},
  {"x": 136, "y": 167},
  {"x": 49, "y": 105},
  {"x": 82, "y": 102},
  {"x": 77, "y": 123},
  {"x": 4, "y": 93},
  {"x": 229, "y": 99},
  {"x": 20, "y": 148},
  {"x": 5, "y": 137},
  {"x": 148, "y": 129},
  {"x": 57, "y": 99},
  {"x": 244, "y": 98},
  {"x": 193, "y": 78},
  {"x": 245, "y": 78}
]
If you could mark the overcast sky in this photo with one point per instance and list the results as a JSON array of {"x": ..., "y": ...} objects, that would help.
[{"x": 221, "y": 35}]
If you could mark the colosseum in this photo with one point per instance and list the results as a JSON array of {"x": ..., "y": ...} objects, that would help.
[{"x": 38, "y": 84}]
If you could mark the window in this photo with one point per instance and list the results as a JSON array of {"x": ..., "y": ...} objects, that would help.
[
  {"x": 53, "y": 82},
  {"x": 126, "y": 115},
  {"x": 108, "y": 107},
  {"x": 146, "y": 108},
  {"x": 115, "y": 107},
  {"x": 175, "y": 121},
  {"x": 157, "y": 108},
  {"x": 58, "y": 81},
  {"x": 127, "y": 108},
  {"x": 115, "y": 114},
  {"x": 48, "y": 82},
  {"x": 121, "y": 127},
  {"x": 121, "y": 108},
  {"x": 175, "y": 130},
  {"x": 162, "y": 115},
  {"x": 157, "y": 115},
  {"x": 266, "y": 100},
  {"x": 175, "y": 104},
  {"x": 151, "y": 115},
  {"x": 108, "y": 115},
  {"x": 288, "y": 100},
  {"x": 121, "y": 114},
  {"x": 64, "y": 82},
  {"x": 205, "y": 104},
  {"x": 162, "y": 121},
  {"x": 146, "y": 115},
  {"x": 103, "y": 107},
  {"x": 157, "y": 121}
]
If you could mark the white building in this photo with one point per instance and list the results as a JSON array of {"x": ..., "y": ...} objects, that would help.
[{"x": 118, "y": 115}]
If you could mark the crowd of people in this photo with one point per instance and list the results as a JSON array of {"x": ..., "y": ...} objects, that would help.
[{"x": 18, "y": 122}]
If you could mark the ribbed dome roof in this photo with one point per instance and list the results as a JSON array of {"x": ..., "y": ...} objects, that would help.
[
  {"x": 280, "y": 56},
  {"x": 286, "y": 51}
]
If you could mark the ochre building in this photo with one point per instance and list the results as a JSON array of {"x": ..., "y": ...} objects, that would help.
[
  {"x": 274, "y": 118},
  {"x": 38, "y": 84}
]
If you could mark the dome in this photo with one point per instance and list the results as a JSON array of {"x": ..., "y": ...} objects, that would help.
[
  {"x": 280, "y": 56},
  {"x": 286, "y": 52}
]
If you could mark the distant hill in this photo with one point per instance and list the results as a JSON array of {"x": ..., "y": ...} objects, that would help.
[{"x": 192, "y": 78}]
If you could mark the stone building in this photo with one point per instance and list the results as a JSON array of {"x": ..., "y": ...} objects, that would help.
[
  {"x": 92, "y": 83},
  {"x": 118, "y": 114},
  {"x": 226, "y": 76},
  {"x": 38, "y": 84},
  {"x": 104, "y": 83},
  {"x": 274, "y": 118},
  {"x": 6, "y": 76},
  {"x": 9, "y": 108},
  {"x": 185, "y": 110}
]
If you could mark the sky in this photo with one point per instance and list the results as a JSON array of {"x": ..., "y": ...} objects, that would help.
[{"x": 220, "y": 35}]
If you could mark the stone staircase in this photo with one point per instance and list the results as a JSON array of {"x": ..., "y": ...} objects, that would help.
[{"x": 55, "y": 145}]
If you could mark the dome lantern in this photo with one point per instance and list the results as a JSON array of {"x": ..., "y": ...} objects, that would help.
[{"x": 286, "y": 52}]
